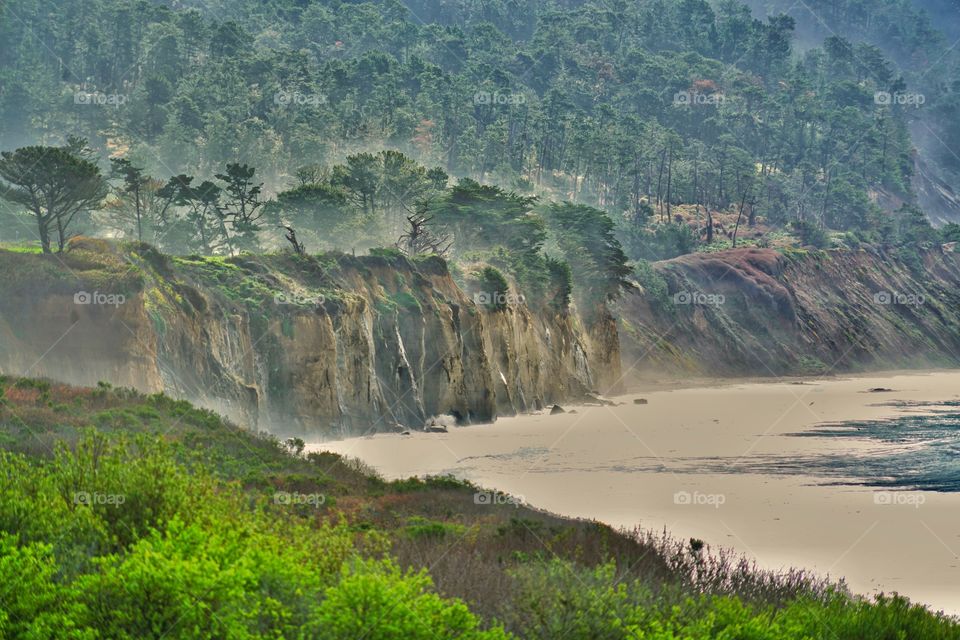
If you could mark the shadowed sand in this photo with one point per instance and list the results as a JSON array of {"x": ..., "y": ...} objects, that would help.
[{"x": 667, "y": 463}]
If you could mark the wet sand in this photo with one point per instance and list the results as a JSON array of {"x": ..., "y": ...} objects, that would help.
[{"x": 645, "y": 465}]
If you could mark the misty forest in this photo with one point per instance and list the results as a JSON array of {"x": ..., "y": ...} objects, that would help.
[{"x": 297, "y": 297}]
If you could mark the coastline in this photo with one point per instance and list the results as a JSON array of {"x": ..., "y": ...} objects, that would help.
[{"x": 644, "y": 465}]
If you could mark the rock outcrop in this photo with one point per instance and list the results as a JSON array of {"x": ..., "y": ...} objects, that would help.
[{"x": 321, "y": 347}]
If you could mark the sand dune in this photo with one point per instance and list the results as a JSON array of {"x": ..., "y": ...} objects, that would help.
[{"x": 667, "y": 464}]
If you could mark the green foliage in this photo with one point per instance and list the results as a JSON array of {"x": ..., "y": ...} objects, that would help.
[
  {"x": 913, "y": 228},
  {"x": 657, "y": 242},
  {"x": 694, "y": 102},
  {"x": 55, "y": 184},
  {"x": 556, "y": 599},
  {"x": 418, "y": 527},
  {"x": 31, "y": 598},
  {"x": 585, "y": 237},
  {"x": 189, "y": 552},
  {"x": 492, "y": 289},
  {"x": 319, "y": 210},
  {"x": 654, "y": 286},
  {"x": 810, "y": 234},
  {"x": 175, "y": 556},
  {"x": 376, "y": 600},
  {"x": 950, "y": 232},
  {"x": 483, "y": 217},
  {"x": 560, "y": 288}
]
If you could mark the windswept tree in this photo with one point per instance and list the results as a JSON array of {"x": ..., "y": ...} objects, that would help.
[
  {"x": 207, "y": 219},
  {"x": 134, "y": 192},
  {"x": 191, "y": 218},
  {"x": 403, "y": 182},
  {"x": 173, "y": 230},
  {"x": 483, "y": 216},
  {"x": 241, "y": 206},
  {"x": 319, "y": 211},
  {"x": 55, "y": 185},
  {"x": 419, "y": 239},
  {"x": 360, "y": 179},
  {"x": 120, "y": 214},
  {"x": 598, "y": 263},
  {"x": 311, "y": 174}
]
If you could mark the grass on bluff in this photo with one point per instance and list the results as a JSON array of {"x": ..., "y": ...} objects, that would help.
[{"x": 190, "y": 527}]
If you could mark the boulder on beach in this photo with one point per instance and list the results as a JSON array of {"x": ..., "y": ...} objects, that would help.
[{"x": 555, "y": 409}]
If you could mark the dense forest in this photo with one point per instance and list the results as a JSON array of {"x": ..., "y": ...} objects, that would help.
[
  {"x": 659, "y": 113},
  {"x": 920, "y": 39}
]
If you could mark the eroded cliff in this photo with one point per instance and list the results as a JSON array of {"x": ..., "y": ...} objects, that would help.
[
  {"x": 762, "y": 312},
  {"x": 317, "y": 346}
]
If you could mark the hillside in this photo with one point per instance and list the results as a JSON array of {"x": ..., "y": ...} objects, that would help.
[
  {"x": 762, "y": 312},
  {"x": 132, "y": 516}
]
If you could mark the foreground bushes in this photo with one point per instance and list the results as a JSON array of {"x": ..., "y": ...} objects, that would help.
[
  {"x": 557, "y": 600},
  {"x": 114, "y": 538},
  {"x": 117, "y": 541}
]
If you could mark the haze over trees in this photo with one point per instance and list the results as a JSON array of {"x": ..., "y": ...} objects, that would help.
[
  {"x": 545, "y": 149},
  {"x": 622, "y": 106}
]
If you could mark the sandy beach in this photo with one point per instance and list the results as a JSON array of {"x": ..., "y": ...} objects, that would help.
[{"x": 666, "y": 464}]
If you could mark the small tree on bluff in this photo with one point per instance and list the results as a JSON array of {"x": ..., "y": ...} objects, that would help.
[{"x": 55, "y": 185}]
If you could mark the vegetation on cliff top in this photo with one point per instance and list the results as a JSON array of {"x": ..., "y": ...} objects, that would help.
[
  {"x": 132, "y": 516},
  {"x": 691, "y": 126}
]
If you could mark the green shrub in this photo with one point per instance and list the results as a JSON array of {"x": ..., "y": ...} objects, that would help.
[
  {"x": 493, "y": 289},
  {"x": 374, "y": 600},
  {"x": 654, "y": 286},
  {"x": 810, "y": 234},
  {"x": 32, "y": 602},
  {"x": 556, "y": 599},
  {"x": 658, "y": 241}
]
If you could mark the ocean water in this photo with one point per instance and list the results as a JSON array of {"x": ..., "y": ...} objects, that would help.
[
  {"x": 919, "y": 452},
  {"x": 910, "y": 452}
]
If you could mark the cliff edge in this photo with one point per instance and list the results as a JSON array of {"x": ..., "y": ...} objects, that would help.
[
  {"x": 762, "y": 312},
  {"x": 321, "y": 346}
]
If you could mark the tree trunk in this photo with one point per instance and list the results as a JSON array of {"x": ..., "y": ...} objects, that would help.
[
  {"x": 44, "y": 230},
  {"x": 61, "y": 240},
  {"x": 736, "y": 227}
]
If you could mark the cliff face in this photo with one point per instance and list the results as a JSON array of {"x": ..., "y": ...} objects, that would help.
[
  {"x": 763, "y": 313},
  {"x": 322, "y": 347}
]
